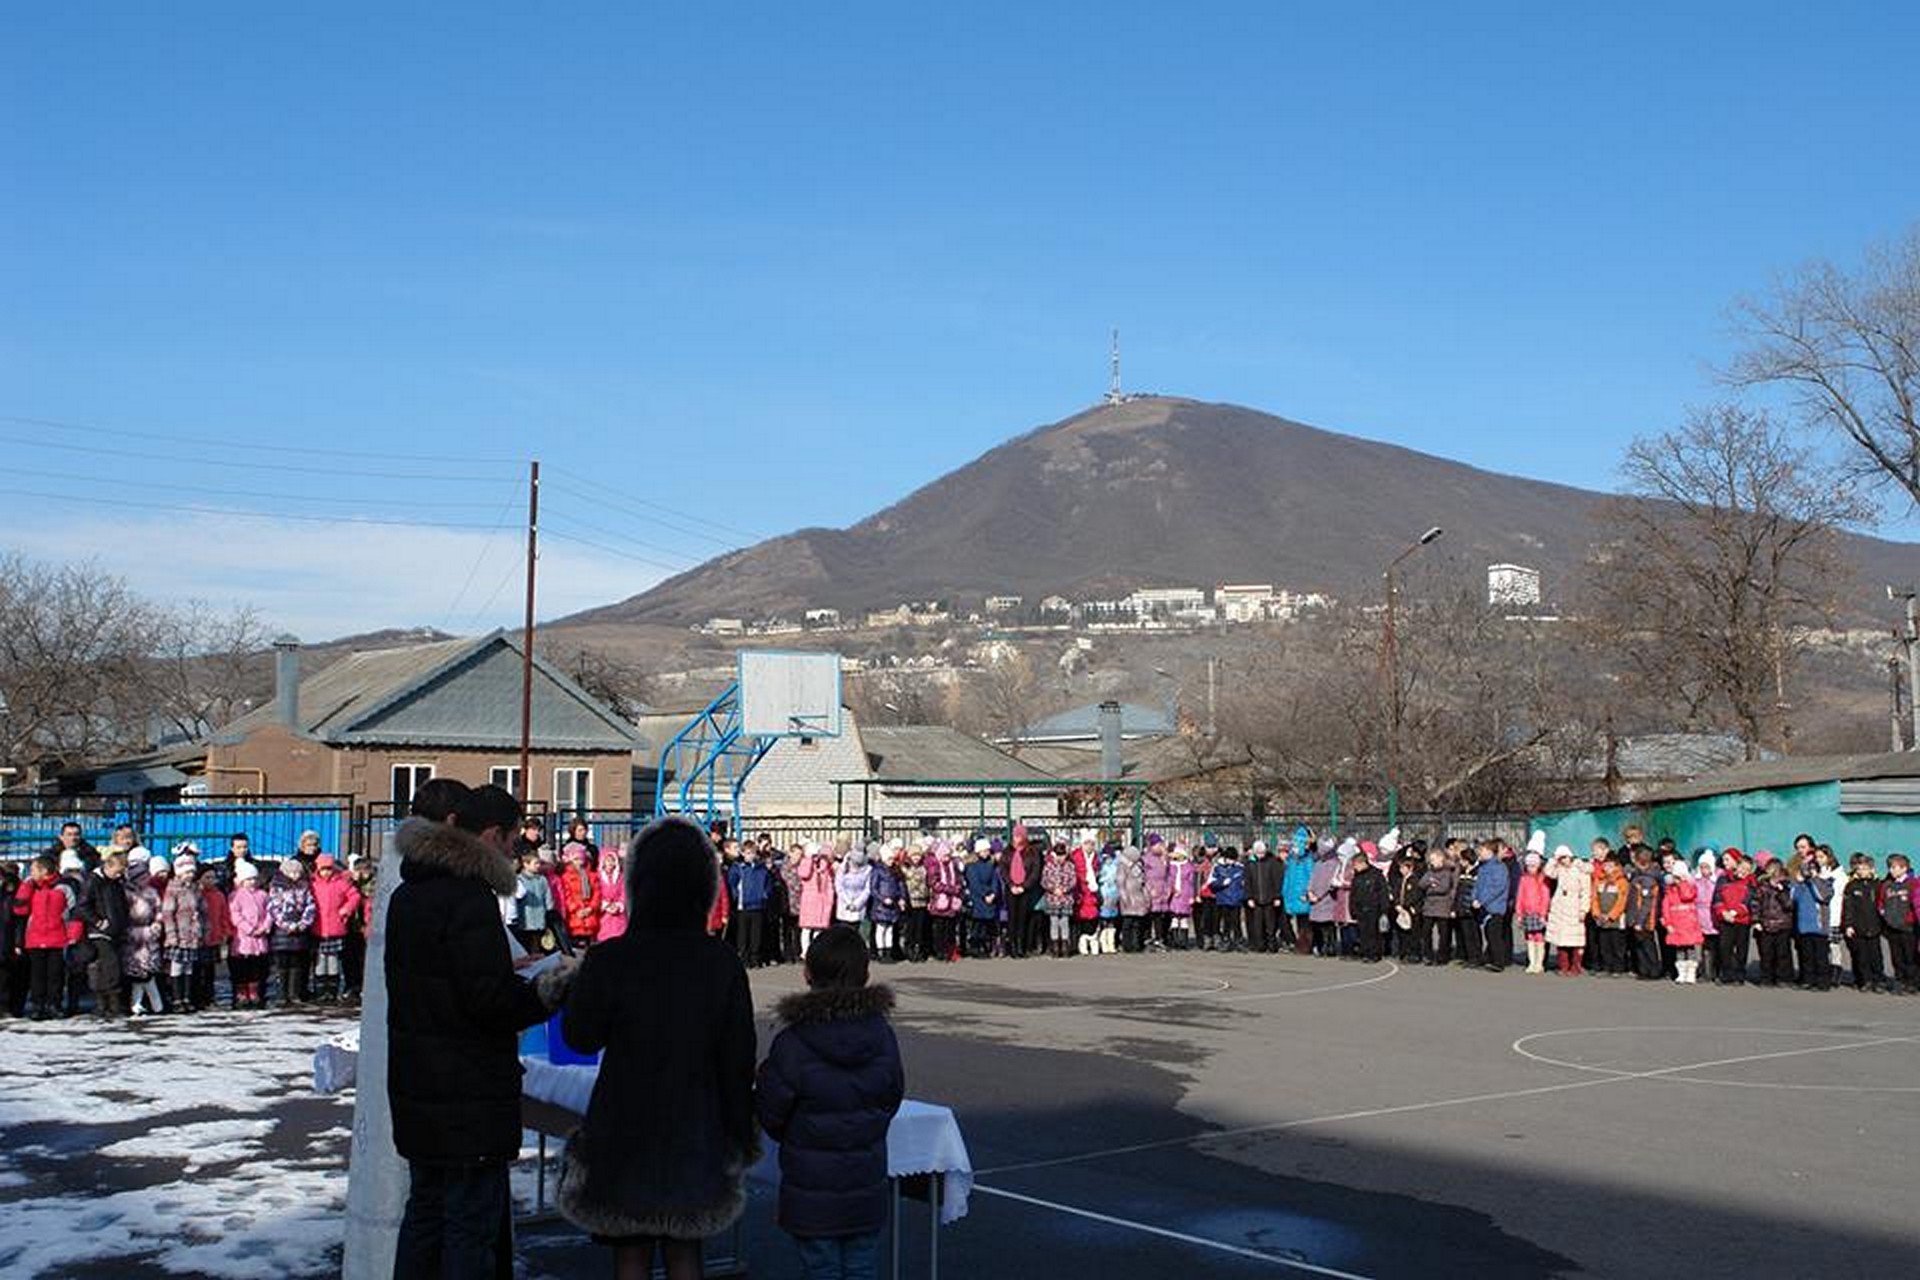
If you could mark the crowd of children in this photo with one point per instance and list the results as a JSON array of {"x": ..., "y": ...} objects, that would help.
[
  {"x": 125, "y": 931},
  {"x": 1641, "y": 909}
]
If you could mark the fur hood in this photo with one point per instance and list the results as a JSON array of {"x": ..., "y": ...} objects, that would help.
[
  {"x": 840, "y": 1004},
  {"x": 458, "y": 853}
]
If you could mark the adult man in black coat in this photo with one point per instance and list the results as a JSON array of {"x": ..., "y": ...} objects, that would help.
[{"x": 455, "y": 1008}]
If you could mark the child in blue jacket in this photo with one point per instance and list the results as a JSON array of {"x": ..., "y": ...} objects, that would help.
[{"x": 1230, "y": 900}]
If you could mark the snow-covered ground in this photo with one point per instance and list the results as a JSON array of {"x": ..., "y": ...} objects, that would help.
[{"x": 183, "y": 1145}]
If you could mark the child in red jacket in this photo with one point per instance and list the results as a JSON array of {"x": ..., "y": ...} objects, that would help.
[
  {"x": 43, "y": 903},
  {"x": 579, "y": 895}
]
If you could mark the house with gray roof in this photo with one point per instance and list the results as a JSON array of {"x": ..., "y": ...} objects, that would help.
[{"x": 374, "y": 726}]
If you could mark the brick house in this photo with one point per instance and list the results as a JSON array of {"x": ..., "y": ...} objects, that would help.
[{"x": 374, "y": 726}]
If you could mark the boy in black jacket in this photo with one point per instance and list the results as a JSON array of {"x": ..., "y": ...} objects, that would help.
[{"x": 827, "y": 1094}]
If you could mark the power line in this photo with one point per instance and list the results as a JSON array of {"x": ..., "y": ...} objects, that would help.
[
  {"x": 261, "y": 515},
  {"x": 243, "y": 493},
  {"x": 612, "y": 551},
  {"x": 582, "y": 495},
  {"x": 627, "y": 537},
  {"x": 485, "y": 548},
  {"x": 684, "y": 515},
  {"x": 173, "y": 438},
  {"x": 32, "y": 442}
]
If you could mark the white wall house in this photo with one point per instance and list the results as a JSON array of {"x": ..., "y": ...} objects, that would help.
[{"x": 1512, "y": 586}]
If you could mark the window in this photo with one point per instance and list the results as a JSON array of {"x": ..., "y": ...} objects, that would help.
[
  {"x": 572, "y": 790},
  {"x": 506, "y": 776},
  {"x": 407, "y": 779}
]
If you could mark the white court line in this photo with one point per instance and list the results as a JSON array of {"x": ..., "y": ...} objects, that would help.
[
  {"x": 1278, "y": 1126},
  {"x": 1393, "y": 970},
  {"x": 1197, "y": 1241},
  {"x": 1856, "y": 1043}
]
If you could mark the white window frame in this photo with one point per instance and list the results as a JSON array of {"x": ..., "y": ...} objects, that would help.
[
  {"x": 413, "y": 789},
  {"x": 577, "y": 802},
  {"x": 511, "y": 781}
]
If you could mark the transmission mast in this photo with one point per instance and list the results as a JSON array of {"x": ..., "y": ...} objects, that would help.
[{"x": 1113, "y": 380}]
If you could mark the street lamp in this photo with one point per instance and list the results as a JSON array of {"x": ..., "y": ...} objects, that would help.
[{"x": 1390, "y": 651}]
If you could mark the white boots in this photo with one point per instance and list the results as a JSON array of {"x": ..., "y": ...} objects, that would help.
[
  {"x": 1689, "y": 972},
  {"x": 1536, "y": 956}
]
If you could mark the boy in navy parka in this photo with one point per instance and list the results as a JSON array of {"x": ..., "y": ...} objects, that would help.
[{"x": 827, "y": 1094}]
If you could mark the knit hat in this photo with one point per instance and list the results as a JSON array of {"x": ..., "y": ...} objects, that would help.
[
  {"x": 1763, "y": 858},
  {"x": 245, "y": 873},
  {"x": 1259, "y": 849},
  {"x": 1390, "y": 842},
  {"x": 983, "y": 845},
  {"x": 185, "y": 864},
  {"x": 1562, "y": 853},
  {"x": 70, "y": 861},
  {"x": 186, "y": 849},
  {"x": 1707, "y": 858},
  {"x": 1210, "y": 840},
  {"x": 158, "y": 864},
  {"x": 325, "y": 862},
  {"x": 1537, "y": 843},
  {"x": 573, "y": 849}
]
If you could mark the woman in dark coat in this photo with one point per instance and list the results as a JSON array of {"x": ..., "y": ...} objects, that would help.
[{"x": 669, "y": 1133}]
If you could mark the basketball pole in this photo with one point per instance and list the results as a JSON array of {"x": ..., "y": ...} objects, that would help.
[{"x": 526, "y": 637}]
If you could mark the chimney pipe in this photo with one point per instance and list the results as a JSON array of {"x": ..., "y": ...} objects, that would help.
[
  {"x": 286, "y": 680},
  {"x": 1110, "y": 766}
]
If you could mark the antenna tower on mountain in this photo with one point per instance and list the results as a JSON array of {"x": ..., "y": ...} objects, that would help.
[{"x": 1113, "y": 381}]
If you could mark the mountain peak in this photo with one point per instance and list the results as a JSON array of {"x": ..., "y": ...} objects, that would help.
[{"x": 1153, "y": 491}]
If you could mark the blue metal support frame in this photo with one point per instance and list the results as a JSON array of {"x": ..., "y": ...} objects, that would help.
[{"x": 708, "y": 759}]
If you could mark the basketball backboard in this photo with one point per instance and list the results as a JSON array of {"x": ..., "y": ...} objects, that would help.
[{"x": 785, "y": 693}]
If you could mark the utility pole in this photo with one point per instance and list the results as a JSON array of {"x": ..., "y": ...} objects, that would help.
[
  {"x": 1910, "y": 641},
  {"x": 526, "y": 637},
  {"x": 1213, "y": 680},
  {"x": 1390, "y": 653},
  {"x": 1893, "y": 690}
]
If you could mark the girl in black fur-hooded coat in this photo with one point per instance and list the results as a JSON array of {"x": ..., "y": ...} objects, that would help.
[{"x": 669, "y": 1133}]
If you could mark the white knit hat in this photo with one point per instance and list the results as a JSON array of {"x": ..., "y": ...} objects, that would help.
[
  {"x": 983, "y": 845},
  {"x": 1537, "y": 843},
  {"x": 244, "y": 872},
  {"x": 70, "y": 861}
]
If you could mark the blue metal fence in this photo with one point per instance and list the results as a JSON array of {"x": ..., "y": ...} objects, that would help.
[{"x": 272, "y": 825}]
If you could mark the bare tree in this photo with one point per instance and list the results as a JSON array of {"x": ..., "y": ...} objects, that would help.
[
  {"x": 1717, "y": 572},
  {"x": 201, "y": 667},
  {"x": 624, "y": 686},
  {"x": 1847, "y": 347},
  {"x": 71, "y": 654}
]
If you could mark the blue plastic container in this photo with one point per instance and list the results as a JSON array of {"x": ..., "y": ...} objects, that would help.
[
  {"x": 533, "y": 1041},
  {"x": 559, "y": 1051}
]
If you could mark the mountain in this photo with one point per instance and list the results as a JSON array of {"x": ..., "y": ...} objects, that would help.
[{"x": 1159, "y": 491}]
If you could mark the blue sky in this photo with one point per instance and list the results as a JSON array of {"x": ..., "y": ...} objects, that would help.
[{"x": 766, "y": 266}]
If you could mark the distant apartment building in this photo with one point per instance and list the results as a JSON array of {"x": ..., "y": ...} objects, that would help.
[
  {"x": 1002, "y": 604},
  {"x": 821, "y": 617},
  {"x": 1286, "y": 605},
  {"x": 1165, "y": 602},
  {"x": 1056, "y": 605},
  {"x": 1512, "y": 586},
  {"x": 1243, "y": 602},
  {"x": 724, "y": 626},
  {"x": 899, "y": 616}
]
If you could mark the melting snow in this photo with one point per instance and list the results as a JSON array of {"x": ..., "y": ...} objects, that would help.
[{"x": 236, "y": 1169}]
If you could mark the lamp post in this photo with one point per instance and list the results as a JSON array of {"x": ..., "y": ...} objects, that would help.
[{"x": 1390, "y": 652}]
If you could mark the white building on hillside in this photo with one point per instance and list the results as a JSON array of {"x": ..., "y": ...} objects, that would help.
[
  {"x": 1002, "y": 604},
  {"x": 1512, "y": 586},
  {"x": 1164, "y": 602},
  {"x": 1244, "y": 602}
]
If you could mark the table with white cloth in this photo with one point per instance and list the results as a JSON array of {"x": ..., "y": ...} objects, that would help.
[{"x": 924, "y": 1147}]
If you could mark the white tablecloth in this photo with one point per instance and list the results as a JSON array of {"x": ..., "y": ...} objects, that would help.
[{"x": 923, "y": 1138}]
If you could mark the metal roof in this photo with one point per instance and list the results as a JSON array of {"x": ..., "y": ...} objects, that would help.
[
  {"x": 1791, "y": 771},
  {"x": 938, "y": 751},
  {"x": 451, "y": 693},
  {"x": 1136, "y": 721}
]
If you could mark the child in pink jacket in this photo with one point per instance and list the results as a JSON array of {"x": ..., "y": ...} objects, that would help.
[
  {"x": 335, "y": 899},
  {"x": 613, "y": 896},
  {"x": 247, "y": 947}
]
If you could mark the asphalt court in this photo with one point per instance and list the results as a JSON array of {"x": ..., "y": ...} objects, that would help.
[{"x": 1272, "y": 1115}]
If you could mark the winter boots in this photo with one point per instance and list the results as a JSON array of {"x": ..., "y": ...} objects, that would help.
[
  {"x": 1689, "y": 972},
  {"x": 1536, "y": 956}
]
